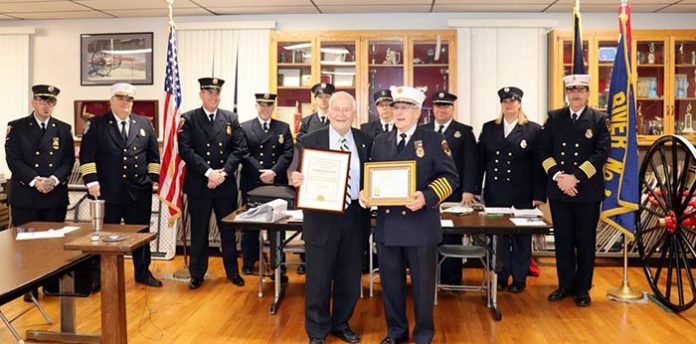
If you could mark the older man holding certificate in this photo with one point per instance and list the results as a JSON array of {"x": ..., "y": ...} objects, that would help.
[
  {"x": 333, "y": 220},
  {"x": 408, "y": 233}
]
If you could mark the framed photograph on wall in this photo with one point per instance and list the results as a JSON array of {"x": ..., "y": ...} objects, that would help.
[
  {"x": 106, "y": 59},
  {"x": 87, "y": 109}
]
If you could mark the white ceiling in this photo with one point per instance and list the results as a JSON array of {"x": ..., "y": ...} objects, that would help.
[{"x": 78, "y": 9}]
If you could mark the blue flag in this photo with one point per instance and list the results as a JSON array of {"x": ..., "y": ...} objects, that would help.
[
  {"x": 578, "y": 57},
  {"x": 621, "y": 170}
]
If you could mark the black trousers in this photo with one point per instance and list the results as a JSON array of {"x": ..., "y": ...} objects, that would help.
[
  {"x": 135, "y": 213},
  {"x": 22, "y": 215},
  {"x": 575, "y": 234},
  {"x": 333, "y": 269},
  {"x": 421, "y": 261},
  {"x": 515, "y": 252},
  {"x": 200, "y": 209},
  {"x": 451, "y": 271}
]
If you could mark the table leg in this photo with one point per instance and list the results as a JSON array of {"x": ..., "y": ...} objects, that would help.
[
  {"x": 9, "y": 326},
  {"x": 113, "y": 298},
  {"x": 493, "y": 280},
  {"x": 278, "y": 272},
  {"x": 261, "y": 264}
]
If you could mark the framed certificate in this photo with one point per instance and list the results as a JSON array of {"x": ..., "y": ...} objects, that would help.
[
  {"x": 325, "y": 179},
  {"x": 390, "y": 182}
]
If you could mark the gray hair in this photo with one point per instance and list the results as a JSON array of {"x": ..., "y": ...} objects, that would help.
[{"x": 343, "y": 94}]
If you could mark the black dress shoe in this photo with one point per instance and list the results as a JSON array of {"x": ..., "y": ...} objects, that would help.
[
  {"x": 248, "y": 271},
  {"x": 516, "y": 288},
  {"x": 390, "y": 340},
  {"x": 583, "y": 300},
  {"x": 195, "y": 283},
  {"x": 236, "y": 280},
  {"x": 347, "y": 335},
  {"x": 150, "y": 281},
  {"x": 502, "y": 286},
  {"x": 559, "y": 294},
  {"x": 301, "y": 269},
  {"x": 317, "y": 341}
]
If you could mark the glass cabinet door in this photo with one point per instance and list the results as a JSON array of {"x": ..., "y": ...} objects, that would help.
[
  {"x": 684, "y": 86},
  {"x": 337, "y": 64},
  {"x": 568, "y": 56},
  {"x": 385, "y": 69},
  {"x": 294, "y": 74},
  {"x": 606, "y": 52},
  {"x": 430, "y": 71},
  {"x": 650, "y": 87}
]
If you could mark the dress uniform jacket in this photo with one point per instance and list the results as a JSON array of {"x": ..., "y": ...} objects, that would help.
[
  {"x": 512, "y": 175},
  {"x": 436, "y": 177},
  {"x": 31, "y": 153},
  {"x": 310, "y": 124},
  {"x": 462, "y": 142},
  {"x": 205, "y": 145},
  {"x": 124, "y": 170},
  {"x": 374, "y": 128},
  {"x": 272, "y": 150},
  {"x": 579, "y": 148}
]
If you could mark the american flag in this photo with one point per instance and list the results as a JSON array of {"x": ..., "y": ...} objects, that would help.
[{"x": 173, "y": 168}]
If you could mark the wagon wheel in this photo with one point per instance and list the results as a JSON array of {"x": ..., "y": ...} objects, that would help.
[
  {"x": 666, "y": 227},
  {"x": 102, "y": 63}
]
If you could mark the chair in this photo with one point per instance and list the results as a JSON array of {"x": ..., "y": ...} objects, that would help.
[{"x": 462, "y": 252}]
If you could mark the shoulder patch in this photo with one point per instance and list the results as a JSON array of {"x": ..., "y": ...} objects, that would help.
[{"x": 446, "y": 149}]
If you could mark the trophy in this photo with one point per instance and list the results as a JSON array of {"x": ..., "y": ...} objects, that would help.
[
  {"x": 639, "y": 57},
  {"x": 431, "y": 55},
  {"x": 688, "y": 119},
  {"x": 372, "y": 78},
  {"x": 444, "y": 72},
  {"x": 682, "y": 58},
  {"x": 373, "y": 49},
  {"x": 693, "y": 57},
  {"x": 639, "y": 118},
  {"x": 651, "y": 54}
]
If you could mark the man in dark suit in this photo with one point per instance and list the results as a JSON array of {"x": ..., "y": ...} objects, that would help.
[
  {"x": 40, "y": 154},
  {"x": 385, "y": 123},
  {"x": 270, "y": 152},
  {"x": 212, "y": 144},
  {"x": 408, "y": 235},
  {"x": 574, "y": 145},
  {"x": 461, "y": 140},
  {"x": 119, "y": 161},
  {"x": 332, "y": 241},
  {"x": 317, "y": 120}
]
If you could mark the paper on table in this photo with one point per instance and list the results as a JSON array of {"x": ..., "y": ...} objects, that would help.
[
  {"x": 446, "y": 223},
  {"x": 527, "y": 213},
  {"x": 496, "y": 210},
  {"x": 68, "y": 229},
  {"x": 529, "y": 222},
  {"x": 295, "y": 215},
  {"x": 458, "y": 210},
  {"x": 51, "y": 233}
]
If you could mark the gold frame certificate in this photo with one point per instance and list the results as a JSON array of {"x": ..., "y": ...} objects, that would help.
[
  {"x": 390, "y": 183},
  {"x": 325, "y": 180}
]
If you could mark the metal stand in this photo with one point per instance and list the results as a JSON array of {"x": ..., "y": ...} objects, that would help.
[{"x": 625, "y": 292}]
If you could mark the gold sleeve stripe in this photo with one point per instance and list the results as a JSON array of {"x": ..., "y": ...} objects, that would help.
[
  {"x": 588, "y": 168},
  {"x": 88, "y": 168},
  {"x": 438, "y": 192},
  {"x": 153, "y": 168},
  {"x": 548, "y": 164},
  {"x": 445, "y": 185}
]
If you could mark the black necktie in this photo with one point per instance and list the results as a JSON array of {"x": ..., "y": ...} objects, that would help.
[
  {"x": 43, "y": 126},
  {"x": 442, "y": 129},
  {"x": 322, "y": 119},
  {"x": 123, "y": 131},
  {"x": 265, "y": 126},
  {"x": 402, "y": 143},
  {"x": 575, "y": 116},
  {"x": 212, "y": 117}
]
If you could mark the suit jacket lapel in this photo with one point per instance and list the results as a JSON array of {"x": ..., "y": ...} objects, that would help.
[
  {"x": 51, "y": 132},
  {"x": 271, "y": 131},
  {"x": 515, "y": 134},
  {"x": 360, "y": 146},
  {"x": 257, "y": 130},
  {"x": 207, "y": 126},
  {"x": 449, "y": 132},
  {"x": 218, "y": 123},
  {"x": 34, "y": 128},
  {"x": 113, "y": 128},
  {"x": 133, "y": 132},
  {"x": 409, "y": 151}
]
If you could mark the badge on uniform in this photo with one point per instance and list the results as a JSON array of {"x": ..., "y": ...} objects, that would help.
[
  {"x": 420, "y": 151},
  {"x": 457, "y": 134},
  {"x": 445, "y": 147},
  {"x": 281, "y": 139},
  {"x": 56, "y": 143},
  {"x": 523, "y": 144},
  {"x": 228, "y": 130},
  {"x": 588, "y": 133},
  {"x": 142, "y": 132}
]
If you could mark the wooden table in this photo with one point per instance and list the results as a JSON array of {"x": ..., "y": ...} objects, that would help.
[
  {"x": 113, "y": 289},
  {"x": 28, "y": 264},
  {"x": 472, "y": 224}
]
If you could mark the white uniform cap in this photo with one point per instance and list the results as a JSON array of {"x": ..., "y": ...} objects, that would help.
[
  {"x": 577, "y": 80},
  {"x": 407, "y": 94},
  {"x": 123, "y": 89}
]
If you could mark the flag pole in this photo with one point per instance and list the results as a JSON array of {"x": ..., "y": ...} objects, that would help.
[
  {"x": 183, "y": 272},
  {"x": 624, "y": 292}
]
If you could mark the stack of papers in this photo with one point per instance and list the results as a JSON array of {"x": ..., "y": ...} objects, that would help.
[
  {"x": 496, "y": 210},
  {"x": 527, "y": 213},
  {"x": 530, "y": 222},
  {"x": 446, "y": 223},
  {"x": 51, "y": 233},
  {"x": 294, "y": 215},
  {"x": 458, "y": 210}
]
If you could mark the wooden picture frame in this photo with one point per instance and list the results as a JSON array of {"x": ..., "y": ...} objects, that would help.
[
  {"x": 325, "y": 178},
  {"x": 108, "y": 58},
  {"x": 394, "y": 177},
  {"x": 86, "y": 109}
]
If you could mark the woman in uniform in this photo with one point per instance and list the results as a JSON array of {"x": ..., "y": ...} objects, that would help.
[{"x": 512, "y": 178}]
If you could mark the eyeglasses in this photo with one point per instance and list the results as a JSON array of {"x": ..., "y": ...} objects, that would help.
[
  {"x": 403, "y": 107},
  {"x": 49, "y": 102}
]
